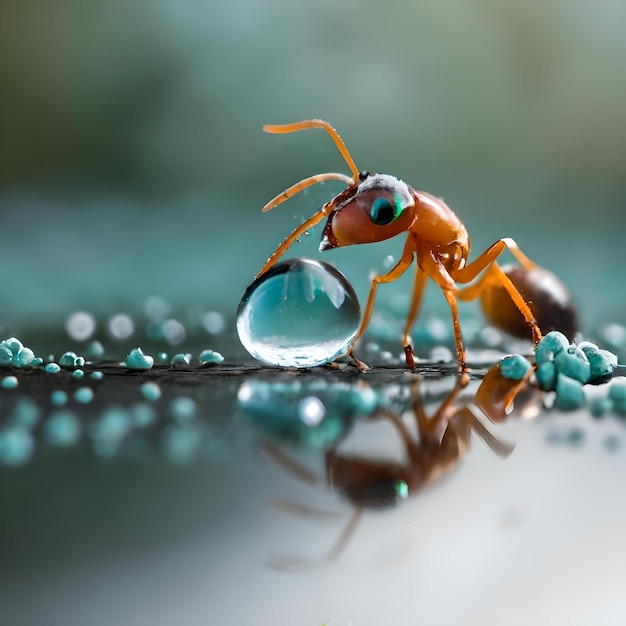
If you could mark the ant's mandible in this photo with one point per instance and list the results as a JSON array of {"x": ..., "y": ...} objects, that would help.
[{"x": 376, "y": 207}]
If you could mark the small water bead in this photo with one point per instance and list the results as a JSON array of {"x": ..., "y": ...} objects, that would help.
[
  {"x": 95, "y": 349},
  {"x": 213, "y": 322},
  {"x": 143, "y": 415},
  {"x": 16, "y": 446},
  {"x": 121, "y": 326},
  {"x": 210, "y": 356},
  {"x": 6, "y": 356},
  {"x": 26, "y": 413},
  {"x": 24, "y": 357},
  {"x": 181, "y": 359},
  {"x": 137, "y": 360},
  {"x": 84, "y": 395},
  {"x": 151, "y": 391},
  {"x": 300, "y": 313},
  {"x": 71, "y": 359},
  {"x": 62, "y": 429},
  {"x": 9, "y": 382},
  {"x": 80, "y": 325},
  {"x": 58, "y": 397},
  {"x": 183, "y": 409}
]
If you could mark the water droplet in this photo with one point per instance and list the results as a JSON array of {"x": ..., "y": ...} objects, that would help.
[
  {"x": 300, "y": 313},
  {"x": 156, "y": 308},
  {"x": 173, "y": 331},
  {"x": 84, "y": 395},
  {"x": 121, "y": 326},
  {"x": 213, "y": 322},
  {"x": 80, "y": 325}
]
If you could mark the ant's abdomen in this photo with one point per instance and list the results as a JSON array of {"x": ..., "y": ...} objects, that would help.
[{"x": 549, "y": 300}]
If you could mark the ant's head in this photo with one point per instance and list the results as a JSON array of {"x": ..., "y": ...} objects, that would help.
[{"x": 375, "y": 208}]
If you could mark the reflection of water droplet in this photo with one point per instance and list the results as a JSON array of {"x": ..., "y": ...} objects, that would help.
[
  {"x": 300, "y": 313},
  {"x": 311, "y": 410}
]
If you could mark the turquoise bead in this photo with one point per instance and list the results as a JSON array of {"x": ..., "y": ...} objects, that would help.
[
  {"x": 68, "y": 359},
  {"x": 552, "y": 343},
  {"x": 6, "y": 356},
  {"x": 600, "y": 406},
  {"x": 58, "y": 397},
  {"x": 137, "y": 360},
  {"x": 151, "y": 391},
  {"x": 210, "y": 356},
  {"x": 9, "y": 382},
  {"x": 181, "y": 359},
  {"x": 601, "y": 362},
  {"x": 569, "y": 393},
  {"x": 546, "y": 375},
  {"x": 617, "y": 394},
  {"x": 62, "y": 429},
  {"x": 84, "y": 395},
  {"x": 573, "y": 364},
  {"x": 514, "y": 366}
]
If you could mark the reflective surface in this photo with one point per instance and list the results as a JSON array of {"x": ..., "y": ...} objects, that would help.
[{"x": 137, "y": 538}]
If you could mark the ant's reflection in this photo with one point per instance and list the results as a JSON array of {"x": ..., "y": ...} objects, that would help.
[{"x": 441, "y": 441}]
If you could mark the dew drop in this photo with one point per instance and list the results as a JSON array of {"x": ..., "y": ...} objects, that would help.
[
  {"x": 300, "y": 313},
  {"x": 80, "y": 325},
  {"x": 121, "y": 326}
]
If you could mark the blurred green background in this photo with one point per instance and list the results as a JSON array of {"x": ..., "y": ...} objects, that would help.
[{"x": 133, "y": 161}]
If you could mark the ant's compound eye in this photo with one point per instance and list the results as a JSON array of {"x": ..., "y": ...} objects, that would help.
[{"x": 383, "y": 211}]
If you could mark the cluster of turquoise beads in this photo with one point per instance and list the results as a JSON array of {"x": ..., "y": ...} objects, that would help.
[{"x": 565, "y": 368}]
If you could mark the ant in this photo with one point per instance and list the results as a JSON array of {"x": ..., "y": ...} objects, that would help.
[
  {"x": 376, "y": 207},
  {"x": 442, "y": 441}
]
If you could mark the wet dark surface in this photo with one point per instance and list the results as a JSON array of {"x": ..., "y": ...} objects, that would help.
[{"x": 144, "y": 537}]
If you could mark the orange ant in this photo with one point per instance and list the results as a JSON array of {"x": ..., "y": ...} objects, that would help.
[
  {"x": 376, "y": 207},
  {"x": 442, "y": 441}
]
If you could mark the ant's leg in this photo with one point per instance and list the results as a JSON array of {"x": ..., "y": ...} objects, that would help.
[
  {"x": 487, "y": 260},
  {"x": 432, "y": 428},
  {"x": 418, "y": 290},
  {"x": 280, "y": 457},
  {"x": 470, "y": 271},
  {"x": 402, "y": 429},
  {"x": 458, "y": 340},
  {"x": 298, "y": 564},
  {"x": 495, "y": 274},
  {"x": 433, "y": 268},
  {"x": 405, "y": 260},
  {"x": 312, "y": 221},
  {"x": 502, "y": 448},
  {"x": 297, "y": 508}
]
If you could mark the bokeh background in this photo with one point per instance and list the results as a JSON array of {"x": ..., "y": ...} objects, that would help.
[
  {"x": 132, "y": 164},
  {"x": 133, "y": 161}
]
